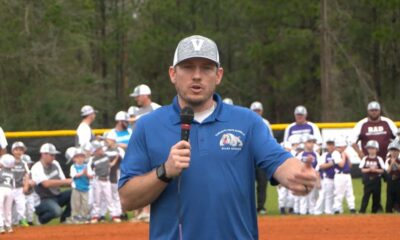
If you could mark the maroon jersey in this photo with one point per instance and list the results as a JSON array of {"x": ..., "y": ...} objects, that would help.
[
  {"x": 395, "y": 169},
  {"x": 372, "y": 163},
  {"x": 382, "y": 132}
]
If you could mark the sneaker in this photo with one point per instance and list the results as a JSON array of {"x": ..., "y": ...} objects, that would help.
[
  {"x": 291, "y": 210},
  {"x": 124, "y": 217},
  {"x": 9, "y": 229},
  {"x": 262, "y": 211},
  {"x": 282, "y": 211},
  {"x": 24, "y": 223},
  {"x": 31, "y": 223},
  {"x": 353, "y": 211},
  {"x": 337, "y": 212},
  {"x": 2, "y": 231},
  {"x": 102, "y": 219},
  {"x": 145, "y": 217},
  {"x": 94, "y": 220},
  {"x": 116, "y": 219}
]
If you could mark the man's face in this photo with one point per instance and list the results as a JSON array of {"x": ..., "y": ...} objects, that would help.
[
  {"x": 140, "y": 100},
  {"x": 300, "y": 118},
  {"x": 195, "y": 80},
  {"x": 48, "y": 158},
  {"x": 374, "y": 114}
]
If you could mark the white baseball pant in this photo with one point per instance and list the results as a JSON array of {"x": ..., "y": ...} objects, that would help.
[
  {"x": 325, "y": 197},
  {"x": 307, "y": 202},
  {"x": 102, "y": 189},
  {"x": 285, "y": 197},
  {"x": 19, "y": 205},
  {"x": 6, "y": 201},
  {"x": 343, "y": 188},
  {"x": 115, "y": 199}
]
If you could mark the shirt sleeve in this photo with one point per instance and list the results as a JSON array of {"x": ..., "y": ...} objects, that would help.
[
  {"x": 3, "y": 140},
  {"x": 387, "y": 164},
  {"x": 136, "y": 161},
  {"x": 356, "y": 132},
  {"x": 72, "y": 171},
  {"x": 268, "y": 154},
  {"x": 362, "y": 163},
  {"x": 381, "y": 163},
  {"x": 286, "y": 134},
  {"x": 60, "y": 171},
  {"x": 317, "y": 133},
  {"x": 38, "y": 175},
  {"x": 392, "y": 126}
]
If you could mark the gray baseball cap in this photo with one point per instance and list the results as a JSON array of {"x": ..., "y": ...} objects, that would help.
[
  {"x": 300, "y": 110},
  {"x": 374, "y": 106},
  {"x": 196, "y": 46}
]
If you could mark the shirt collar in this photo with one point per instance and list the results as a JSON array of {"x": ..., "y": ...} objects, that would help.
[{"x": 221, "y": 112}]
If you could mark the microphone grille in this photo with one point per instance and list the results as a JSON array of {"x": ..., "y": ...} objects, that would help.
[{"x": 187, "y": 115}]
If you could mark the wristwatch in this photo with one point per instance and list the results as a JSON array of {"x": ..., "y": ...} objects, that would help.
[{"x": 162, "y": 174}]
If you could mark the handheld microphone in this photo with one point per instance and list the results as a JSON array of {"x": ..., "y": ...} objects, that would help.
[{"x": 187, "y": 116}]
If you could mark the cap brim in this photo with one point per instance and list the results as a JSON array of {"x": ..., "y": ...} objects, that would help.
[
  {"x": 133, "y": 95},
  {"x": 191, "y": 57}
]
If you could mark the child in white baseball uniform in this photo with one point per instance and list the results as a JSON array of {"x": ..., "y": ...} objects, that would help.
[
  {"x": 80, "y": 187},
  {"x": 20, "y": 171},
  {"x": 342, "y": 180},
  {"x": 113, "y": 151},
  {"x": 7, "y": 184},
  {"x": 310, "y": 158},
  {"x": 28, "y": 188},
  {"x": 101, "y": 165},
  {"x": 285, "y": 196},
  {"x": 326, "y": 167}
]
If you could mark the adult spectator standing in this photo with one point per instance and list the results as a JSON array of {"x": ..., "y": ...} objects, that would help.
[
  {"x": 84, "y": 132},
  {"x": 301, "y": 126},
  {"x": 49, "y": 178},
  {"x": 3, "y": 142},
  {"x": 226, "y": 144},
  {"x": 373, "y": 127},
  {"x": 261, "y": 177},
  {"x": 142, "y": 95}
]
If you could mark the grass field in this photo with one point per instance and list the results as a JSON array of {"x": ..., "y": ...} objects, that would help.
[{"x": 272, "y": 197}]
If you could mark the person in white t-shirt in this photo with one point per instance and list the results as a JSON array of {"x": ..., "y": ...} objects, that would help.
[
  {"x": 49, "y": 178},
  {"x": 84, "y": 131},
  {"x": 142, "y": 95},
  {"x": 3, "y": 142}
]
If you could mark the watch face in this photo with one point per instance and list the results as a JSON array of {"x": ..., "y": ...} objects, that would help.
[{"x": 160, "y": 171}]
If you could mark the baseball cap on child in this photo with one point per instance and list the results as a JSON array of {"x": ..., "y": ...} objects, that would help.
[
  {"x": 140, "y": 90},
  {"x": 7, "y": 160},
  {"x": 394, "y": 146},
  {"x": 48, "y": 148},
  {"x": 196, "y": 46},
  {"x": 340, "y": 142},
  {"x": 121, "y": 116},
  {"x": 78, "y": 151},
  {"x": 300, "y": 110},
  {"x": 256, "y": 106},
  {"x": 87, "y": 110},
  {"x": 308, "y": 137},
  {"x": 133, "y": 110},
  {"x": 18, "y": 144},
  {"x": 374, "y": 106},
  {"x": 69, "y": 153},
  {"x": 96, "y": 145},
  {"x": 372, "y": 144}
]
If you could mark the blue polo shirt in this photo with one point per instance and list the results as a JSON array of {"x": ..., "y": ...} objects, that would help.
[{"x": 217, "y": 190}]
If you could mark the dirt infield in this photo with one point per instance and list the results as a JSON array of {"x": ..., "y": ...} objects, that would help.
[{"x": 291, "y": 227}]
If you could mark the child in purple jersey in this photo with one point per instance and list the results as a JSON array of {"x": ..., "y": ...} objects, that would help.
[
  {"x": 326, "y": 167},
  {"x": 310, "y": 158},
  {"x": 342, "y": 179},
  {"x": 372, "y": 167}
]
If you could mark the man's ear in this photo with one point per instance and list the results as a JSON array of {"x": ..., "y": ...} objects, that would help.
[{"x": 172, "y": 74}]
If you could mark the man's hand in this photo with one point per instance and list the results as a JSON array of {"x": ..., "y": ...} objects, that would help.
[
  {"x": 67, "y": 181},
  {"x": 296, "y": 176},
  {"x": 178, "y": 159}
]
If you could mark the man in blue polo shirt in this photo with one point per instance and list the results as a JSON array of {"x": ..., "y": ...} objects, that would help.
[{"x": 204, "y": 188}]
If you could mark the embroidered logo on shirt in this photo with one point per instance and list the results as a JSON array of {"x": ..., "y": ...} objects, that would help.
[{"x": 231, "y": 139}]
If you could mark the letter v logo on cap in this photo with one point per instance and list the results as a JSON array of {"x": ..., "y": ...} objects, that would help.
[{"x": 197, "y": 44}]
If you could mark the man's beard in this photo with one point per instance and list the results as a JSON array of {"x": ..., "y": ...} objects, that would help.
[{"x": 374, "y": 118}]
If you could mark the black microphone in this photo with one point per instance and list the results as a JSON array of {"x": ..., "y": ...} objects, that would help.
[{"x": 186, "y": 119}]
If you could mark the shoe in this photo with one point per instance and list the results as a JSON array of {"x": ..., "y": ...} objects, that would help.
[
  {"x": 24, "y": 223},
  {"x": 291, "y": 211},
  {"x": 94, "y": 220},
  {"x": 262, "y": 211},
  {"x": 116, "y": 219},
  {"x": 102, "y": 219},
  {"x": 144, "y": 217},
  {"x": 124, "y": 217},
  {"x": 31, "y": 223},
  {"x": 9, "y": 229},
  {"x": 2, "y": 231},
  {"x": 282, "y": 211},
  {"x": 353, "y": 211},
  {"x": 337, "y": 212}
]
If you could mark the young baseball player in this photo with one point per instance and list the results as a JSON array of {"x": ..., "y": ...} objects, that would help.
[
  {"x": 80, "y": 187},
  {"x": 20, "y": 171},
  {"x": 112, "y": 151},
  {"x": 310, "y": 158},
  {"x": 28, "y": 189},
  {"x": 101, "y": 165},
  {"x": 372, "y": 166},
  {"x": 7, "y": 184},
  {"x": 326, "y": 167},
  {"x": 342, "y": 179},
  {"x": 392, "y": 166}
]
